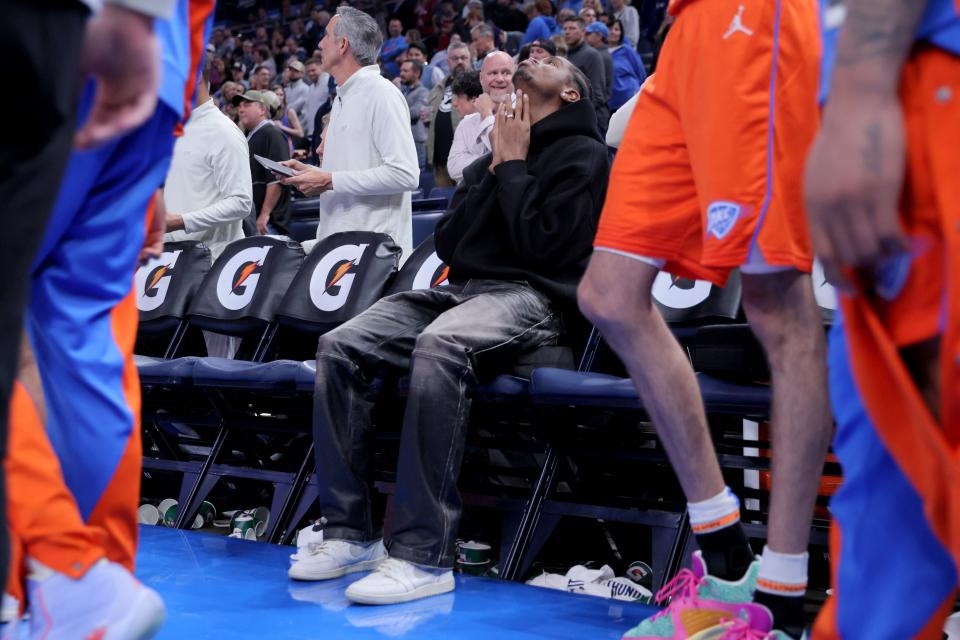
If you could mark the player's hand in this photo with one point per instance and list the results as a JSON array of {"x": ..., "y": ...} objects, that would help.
[
  {"x": 854, "y": 178},
  {"x": 121, "y": 52},
  {"x": 153, "y": 242},
  {"x": 310, "y": 182}
]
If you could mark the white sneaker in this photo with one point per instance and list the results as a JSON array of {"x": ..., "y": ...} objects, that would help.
[
  {"x": 332, "y": 558},
  {"x": 9, "y": 609},
  {"x": 105, "y": 602},
  {"x": 400, "y": 581}
]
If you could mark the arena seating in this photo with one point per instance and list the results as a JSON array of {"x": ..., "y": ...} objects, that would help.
[{"x": 215, "y": 419}]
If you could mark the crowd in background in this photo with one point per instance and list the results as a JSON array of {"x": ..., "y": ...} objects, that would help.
[{"x": 276, "y": 51}]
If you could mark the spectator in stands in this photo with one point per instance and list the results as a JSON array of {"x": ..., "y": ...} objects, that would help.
[
  {"x": 467, "y": 145},
  {"x": 260, "y": 80},
  {"x": 443, "y": 118},
  {"x": 238, "y": 74},
  {"x": 537, "y": 50},
  {"x": 263, "y": 58},
  {"x": 315, "y": 28},
  {"x": 228, "y": 92},
  {"x": 472, "y": 138},
  {"x": 589, "y": 15},
  {"x": 481, "y": 39},
  {"x": 542, "y": 25},
  {"x": 285, "y": 119},
  {"x": 432, "y": 75},
  {"x": 246, "y": 54},
  {"x": 628, "y": 70},
  {"x": 392, "y": 47},
  {"x": 370, "y": 161},
  {"x": 505, "y": 15},
  {"x": 263, "y": 139},
  {"x": 208, "y": 191},
  {"x": 439, "y": 58},
  {"x": 318, "y": 93},
  {"x": 571, "y": 5},
  {"x": 629, "y": 21},
  {"x": 517, "y": 239},
  {"x": 417, "y": 100},
  {"x": 296, "y": 89},
  {"x": 590, "y": 62},
  {"x": 596, "y": 35}
]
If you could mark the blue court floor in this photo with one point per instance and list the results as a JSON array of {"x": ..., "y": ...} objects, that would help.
[{"x": 216, "y": 587}]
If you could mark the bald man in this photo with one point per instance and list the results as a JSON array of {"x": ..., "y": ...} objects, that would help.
[{"x": 471, "y": 140}]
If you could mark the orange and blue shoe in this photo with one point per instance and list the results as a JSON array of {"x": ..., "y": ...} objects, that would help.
[{"x": 699, "y": 604}]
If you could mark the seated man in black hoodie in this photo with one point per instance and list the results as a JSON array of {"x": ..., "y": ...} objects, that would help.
[{"x": 517, "y": 239}]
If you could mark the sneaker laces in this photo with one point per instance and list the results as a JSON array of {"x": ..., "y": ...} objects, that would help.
[
  {"x": 683, "y": 587},
  {"x": 738, "y": 629},
  {"x": 394, "y": 569}
]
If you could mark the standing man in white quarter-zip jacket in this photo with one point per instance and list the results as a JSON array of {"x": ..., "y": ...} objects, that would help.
[
  {"x": 209, "y": 190},
  {"x": 369, "y": 161}
]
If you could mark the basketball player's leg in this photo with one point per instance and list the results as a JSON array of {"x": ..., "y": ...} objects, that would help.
[{"x": 616, "y": 296}]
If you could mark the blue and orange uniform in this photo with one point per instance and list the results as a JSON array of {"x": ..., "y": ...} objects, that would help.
[
  {"x": 895, "y": 544},
  {"x": 82, "y": 323}
]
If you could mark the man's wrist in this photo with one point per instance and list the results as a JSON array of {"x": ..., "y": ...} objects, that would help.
[{"x": 176, "y": 222}]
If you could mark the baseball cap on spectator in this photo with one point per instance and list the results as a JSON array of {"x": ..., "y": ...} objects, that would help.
[
  {"x": 239, "y": 65},
  {"x": 546, "y": 45},
  {"x": 267, "y": 98},
  {"x": 296, "y": 65},
  {"x": 598, "y": 27}
]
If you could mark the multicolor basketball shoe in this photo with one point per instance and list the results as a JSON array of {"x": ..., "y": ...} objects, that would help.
[
  {"x": 740, "y": 629},
  {"x": 701, "y": 603}
]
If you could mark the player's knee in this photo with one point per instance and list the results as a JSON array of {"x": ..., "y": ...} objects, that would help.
[{"x": 601, "y": 305}]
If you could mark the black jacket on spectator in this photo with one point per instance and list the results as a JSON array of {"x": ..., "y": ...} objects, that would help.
[
  {"x": 534, "y": 220},
  {"x": 590, "y": 61}
]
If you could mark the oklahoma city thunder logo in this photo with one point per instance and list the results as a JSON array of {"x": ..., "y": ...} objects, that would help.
[{"x": 721, "y": 217}]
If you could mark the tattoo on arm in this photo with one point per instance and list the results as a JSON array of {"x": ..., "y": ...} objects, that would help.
[{"x": 879, "y": 29}]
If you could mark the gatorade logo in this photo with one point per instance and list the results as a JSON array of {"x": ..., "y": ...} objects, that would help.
[
  {"x": 238, "y": 279},
  {"x": 332, "y": 279},
  {"x": 823, "y": 291},
  {"x": 153, "y": 280},
  {"x": 675, "y": 292},
  {"x": 432, "y": 273}
]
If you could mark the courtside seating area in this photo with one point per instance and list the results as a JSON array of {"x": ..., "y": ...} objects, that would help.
[{"x": 558, "y": 436}]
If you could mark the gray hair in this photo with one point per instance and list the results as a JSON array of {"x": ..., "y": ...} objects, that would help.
[
  {"x": 458, "y": 45},
  {"x": 361, "y": 31},
  {"x": 482, "y": 30}
]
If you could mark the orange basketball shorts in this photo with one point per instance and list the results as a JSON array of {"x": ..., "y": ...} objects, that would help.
[{"x": 709, "y": 174}]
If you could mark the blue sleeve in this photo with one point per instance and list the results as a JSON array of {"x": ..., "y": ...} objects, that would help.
[{"x": 535, "y": 31}]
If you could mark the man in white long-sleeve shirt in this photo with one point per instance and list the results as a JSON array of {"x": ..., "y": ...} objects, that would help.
[
  {"x": 471, "y": 140},
  {"x": 208, "y": 191},
  {"x": 369, "y": 160}
]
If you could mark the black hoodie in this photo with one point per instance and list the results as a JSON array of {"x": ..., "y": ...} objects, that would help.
[{"x": 535, "y": 219}]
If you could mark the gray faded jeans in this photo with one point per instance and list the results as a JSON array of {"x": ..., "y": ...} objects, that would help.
[{"x": 438, "y": 335}]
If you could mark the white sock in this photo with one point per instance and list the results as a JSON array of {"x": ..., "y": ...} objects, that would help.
[
  {"x": 783, "y": 574},
  {"x": 713, "y": 514}
]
